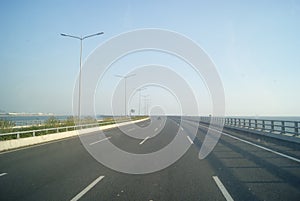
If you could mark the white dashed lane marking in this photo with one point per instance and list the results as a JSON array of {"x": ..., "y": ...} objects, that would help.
[
  {"x": 222, "y": 189},
  {"x": 100, "y": 141},
  {"x": 144, "y": 140},
  {"x": 191, "y": 141},
  {"x": 89, "y": 187},
  {"x": 2, "y": 174}
]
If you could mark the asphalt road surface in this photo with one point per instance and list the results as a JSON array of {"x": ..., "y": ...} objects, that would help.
[{"x": 242, "y": 166}]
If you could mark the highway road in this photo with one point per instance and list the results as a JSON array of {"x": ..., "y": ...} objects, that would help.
[{"x": 242, "y": 166}]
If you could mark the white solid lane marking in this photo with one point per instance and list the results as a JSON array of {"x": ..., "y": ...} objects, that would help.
[
  {"x": 222, "y": 189},
  {"x": 100, "y": 141},
  {"x": 191, "y": 141},
  {"x": 264, "y": 148},
  {"x": 2, "y": 174},
  {"x": 130, "y": 129},
  {"x": 259, "y": 146},
  {"x": 37, "y": 145},
  {"x": 89, "y": 187},
  {"x": 144, "y": 140}
]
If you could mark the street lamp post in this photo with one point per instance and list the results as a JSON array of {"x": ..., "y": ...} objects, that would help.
[
  {"x": 81, "y": 39},
  {"x": 125, "y": 79},
  {"x": 141, "y": 89},
  {"x": 146, "y": 102}
]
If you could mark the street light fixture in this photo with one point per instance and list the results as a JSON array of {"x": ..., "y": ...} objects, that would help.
[
  {"x": 125, "y": 79},
  {"x": 81, "y": 39}
]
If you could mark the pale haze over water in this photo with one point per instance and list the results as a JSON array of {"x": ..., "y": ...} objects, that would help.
[{"x": 33, "y": 119}]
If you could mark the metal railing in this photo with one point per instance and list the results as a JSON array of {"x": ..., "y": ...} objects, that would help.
[
  {"x": 264, "y": 125},
  {"x": 272, "y": 126},
  {"x": 46, "y": 131}
]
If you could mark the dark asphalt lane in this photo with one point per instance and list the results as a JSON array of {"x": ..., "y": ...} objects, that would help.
[
  {"x": 254, "y": 171},
  {"x": 61, "y": 170}
]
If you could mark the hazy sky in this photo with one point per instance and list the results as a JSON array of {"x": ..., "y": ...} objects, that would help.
[{"x": 255, "y": 47}]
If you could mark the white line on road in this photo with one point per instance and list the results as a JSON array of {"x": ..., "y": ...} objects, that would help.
[
  {"x": 100, "y": 141},
  {"x": 222, "y": 189},
  {"x": 144, "y": 140},
  {"x": 37, "y": 145},
  {"x": 130, "y": 129},
  {"x": 191, "y": 141},
  {"x": 2, "y": 174},
  {"x": 155, "y": 129},
  {"x": 259, "y": 146},
  {"x": 181, "y": 128},
  {"x": 89, "y": 187},
  {"x": 264, "y": 148}
]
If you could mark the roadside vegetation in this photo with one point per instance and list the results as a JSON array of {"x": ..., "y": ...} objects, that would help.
[{"x": 7, "y": 126}]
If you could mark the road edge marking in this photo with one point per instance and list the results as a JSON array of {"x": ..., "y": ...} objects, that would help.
[
  {"x": 256, "y": 145},
  {"x": 89, "y": 187},
  {"x": 222, "y": 188},
  {"x": 264, "y": 148}
]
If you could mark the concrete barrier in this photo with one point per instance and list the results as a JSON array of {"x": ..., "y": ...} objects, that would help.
[{"x": 22, "y": 142}]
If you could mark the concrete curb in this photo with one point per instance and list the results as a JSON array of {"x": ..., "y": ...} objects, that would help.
[{"x": 23, "y": 142}]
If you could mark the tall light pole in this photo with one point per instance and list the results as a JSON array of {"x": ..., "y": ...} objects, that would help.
[
  {"x": 140, "y": 89},
  {"x": 125, "y": 79},
  {"x": 80, "y": 67},
  {"x": 146, "y": 99}
]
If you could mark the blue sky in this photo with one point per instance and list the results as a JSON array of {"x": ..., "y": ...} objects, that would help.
[{"x": 255, "y": 46}]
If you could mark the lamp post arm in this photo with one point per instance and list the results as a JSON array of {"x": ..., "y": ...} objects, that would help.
[
  {"x": 96, "y": 34},
  {"x": 67, "y": 35}
]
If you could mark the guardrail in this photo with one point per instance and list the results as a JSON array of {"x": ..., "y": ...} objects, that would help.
[
  {"x": 264, "y": 125},
  {"x": 46, "y": 131},
  {"x": 272, "y": 126},
  {"x": 38, "y": 122}
]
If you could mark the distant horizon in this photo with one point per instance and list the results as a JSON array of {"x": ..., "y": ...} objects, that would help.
[{"x": 69, "y": 114}]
